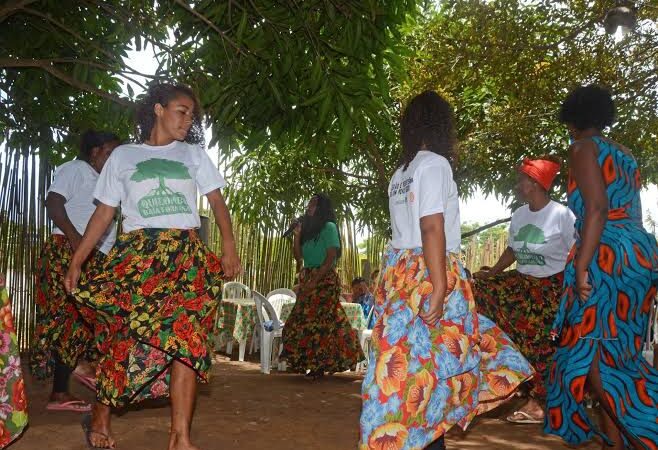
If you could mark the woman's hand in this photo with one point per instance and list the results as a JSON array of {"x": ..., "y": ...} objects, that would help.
[
  {"x": 230, "y": 262},
  {"x": 72, "y": 277},
  {"x": 296, "y": 226},
  {"x": 435, "y": 311},
  {"x": 483, "y": 274},
  {"x": 583, "y": 288},
  {"x": 310, "y": 284}
]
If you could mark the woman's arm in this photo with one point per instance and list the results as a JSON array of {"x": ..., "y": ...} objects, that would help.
[
  {"x": 100, "y": 220},
  {"x": 506, "y": 259},
  {"x": 230, "y": 260},
  {"x": 57, "y": 213},
  {"x": 297, "y": 246},
  {"x": 587, "y": 173},
  {"x": 434, "y": 251}
]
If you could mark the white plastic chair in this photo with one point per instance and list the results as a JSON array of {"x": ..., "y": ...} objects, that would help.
[
  {"x": 265, "y": 311},
  {"x": 234, "y": 289},
  {"x": 277, "y": 298},
  {"x": 650, "y": 350},
  {"x": 365, "y": 339},
  {"x": 284, "y": 291}
]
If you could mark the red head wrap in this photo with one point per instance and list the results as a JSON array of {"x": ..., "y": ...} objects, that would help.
[{"x": 541, "y": 170}]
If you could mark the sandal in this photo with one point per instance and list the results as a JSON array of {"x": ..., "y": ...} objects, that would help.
[
  {"x": 71, "y": 405},
  {"x": 314, "y": 375},
  {"x": 86, "y": 427},
  {"x": 85, "y": 380},
  {"x": 524, "y": 419}
]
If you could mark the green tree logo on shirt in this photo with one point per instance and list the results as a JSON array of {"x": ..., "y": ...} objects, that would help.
[
  {"x": 161, "y": 201},
  {"x": 529, "y": 234}
]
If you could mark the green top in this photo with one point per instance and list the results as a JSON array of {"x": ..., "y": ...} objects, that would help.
[{"x": 314, "y": 251}]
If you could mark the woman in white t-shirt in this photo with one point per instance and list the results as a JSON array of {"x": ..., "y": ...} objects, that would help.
[
  {"x": 434, "y": 362},
  {"x": 524, "y": 301},
  {"x": 154, "y": 298},
  {"x": 61, "y": 336}
]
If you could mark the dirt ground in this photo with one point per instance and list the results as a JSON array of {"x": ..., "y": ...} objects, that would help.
[{"x": 243, "y": 409}]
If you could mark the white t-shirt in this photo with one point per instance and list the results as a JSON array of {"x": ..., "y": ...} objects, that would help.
[
  {"x": 541, "y": 240},
  {"x": 157, "y": 185},
  {"x": 75, "y": 181},
  {"x": 425, "y": 188}
]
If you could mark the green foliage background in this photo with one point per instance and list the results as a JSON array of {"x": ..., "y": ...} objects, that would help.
[{"x": 305, "y": 96}]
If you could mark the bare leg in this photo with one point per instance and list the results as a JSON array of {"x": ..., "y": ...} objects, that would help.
[
  {"x": 101, "y": 434},
  {"x": 183, "y": 396},
  {"x": 609, "y": 424}
]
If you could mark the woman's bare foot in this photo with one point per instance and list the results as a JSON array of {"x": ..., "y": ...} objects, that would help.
[
  {"x": 178, "y": 442},
  {"x": 100, "y": 434}
]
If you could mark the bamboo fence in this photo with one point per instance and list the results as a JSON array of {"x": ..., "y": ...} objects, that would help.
[
  {"x": 476, "y": 254},
  {"x": 23, "y": 228}
]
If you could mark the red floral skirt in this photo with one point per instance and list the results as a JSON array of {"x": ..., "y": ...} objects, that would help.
[
  {"x": 524, "y": 307},
  {"x": 153, "y": 301},
  {"x": 59, "y": 325},
  {"x": 318, "y": 335}
]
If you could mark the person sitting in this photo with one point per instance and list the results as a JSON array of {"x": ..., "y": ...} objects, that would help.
[
  {"x": 524, "y": 301},
  {"x": 362, "y": 295}
]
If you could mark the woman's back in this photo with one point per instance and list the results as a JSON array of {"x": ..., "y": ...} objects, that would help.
[{"x": 621, "y": 176}]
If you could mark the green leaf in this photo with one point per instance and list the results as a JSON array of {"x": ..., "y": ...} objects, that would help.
[{"x": 19, "y": 418}]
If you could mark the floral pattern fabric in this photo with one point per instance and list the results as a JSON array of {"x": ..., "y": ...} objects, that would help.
[
  {"x": 13, "y": 403},
  {"x": 153, "y": 301},
  {"x": 59, "y": 326},
  {"x": 524, "y": 308},
  {"x": 318, "y": 335},
  {"x": 424, "y": 379}
]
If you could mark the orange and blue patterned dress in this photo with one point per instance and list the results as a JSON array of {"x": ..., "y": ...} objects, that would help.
[
  {"x": 613, "y": 321},
  {"x": 423, "y": 379}
]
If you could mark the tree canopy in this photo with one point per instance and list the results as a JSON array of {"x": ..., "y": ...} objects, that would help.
[
  {"x": 506, "y": 65},
  {"x": 304, "y": 96},
  {"x": 304, "y": 87}
]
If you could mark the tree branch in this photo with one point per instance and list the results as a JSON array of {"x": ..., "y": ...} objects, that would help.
[
  {"x": 12, "y": 7},
  {"x": 484, "y": 227},
  {"x": 340, "y": 172},
  {"x": 48, "y": 66},
  {"x": 375, "y": 157},
  {"x": 208, "y": 22},
  {"x": 80, "y": 38}
]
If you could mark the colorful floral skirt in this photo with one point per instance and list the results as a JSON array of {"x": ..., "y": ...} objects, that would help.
[
  {"x": 424, "y": 379},
  {"x": 524, "y": 307},
  {"x": 317, "y": 334},
  {"x": 59, "y": 326},
  {"x": 13, "y": 404},
  {"x": 153, "y": 301}
]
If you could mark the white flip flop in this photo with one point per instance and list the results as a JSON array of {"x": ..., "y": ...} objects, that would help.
[{"x": 525, "y": 419}]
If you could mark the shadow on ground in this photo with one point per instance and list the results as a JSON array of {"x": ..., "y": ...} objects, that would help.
[{"x": 243, "y": 409}]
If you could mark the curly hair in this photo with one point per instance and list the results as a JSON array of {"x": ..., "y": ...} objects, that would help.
[
  {"x": 588, "y": 107},
  {"x": 313, "y": 225},
  {"x": 428, "y": 121},
  {"x": 163, "y": 93},
  {"x": 91, "y": 139}
]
